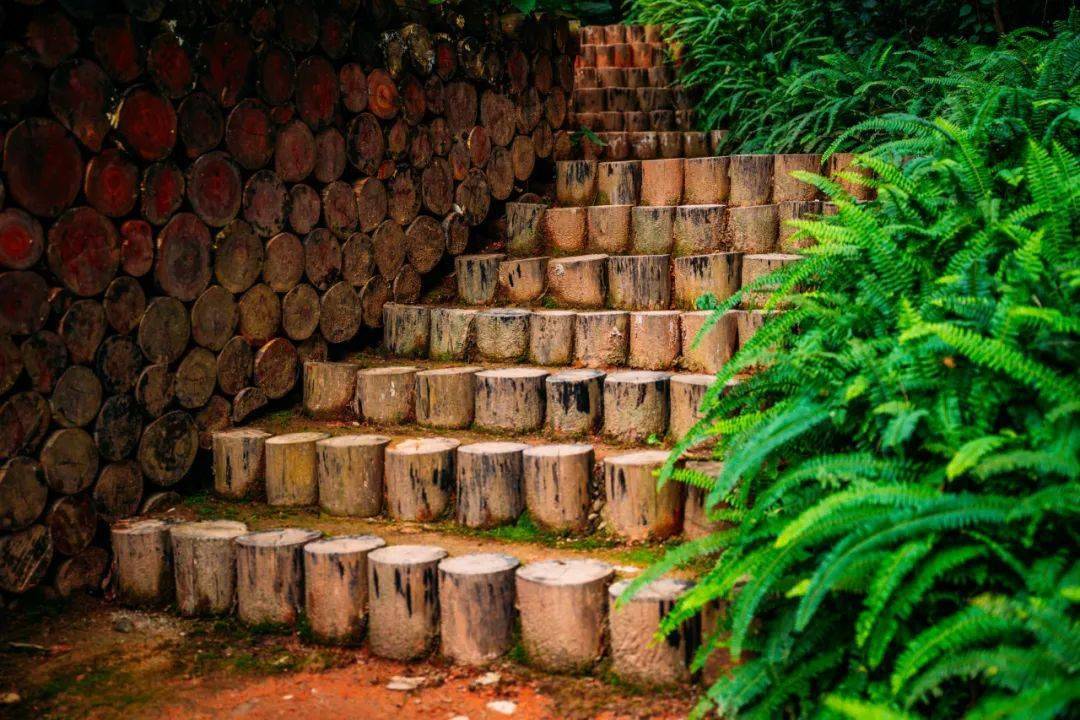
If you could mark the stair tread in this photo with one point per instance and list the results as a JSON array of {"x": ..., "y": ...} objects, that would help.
[{"x": 523, "y": 544}]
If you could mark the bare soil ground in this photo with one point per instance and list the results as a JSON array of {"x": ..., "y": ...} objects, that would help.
[{"x": 88, "y": 658}]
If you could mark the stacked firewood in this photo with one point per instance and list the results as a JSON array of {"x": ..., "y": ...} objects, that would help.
[{"x": 199, "y": 196}]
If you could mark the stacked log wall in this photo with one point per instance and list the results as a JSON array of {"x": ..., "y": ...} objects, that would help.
[{"x": 197, "y": 197}]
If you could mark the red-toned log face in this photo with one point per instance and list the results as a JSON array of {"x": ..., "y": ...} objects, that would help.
[
  {"x": 136, "y": 247},
  {"x": 227, "y": 57},
  {"x": 316, "y": 91},
  {"x": 276, "y": 75},
  {"x": 183, "y": 257},
  {"x": 214, "y": 188},
  {"x": 111, "y": 183},
  {"x": 43, "y": 167},
  {"x": 147, "y": 123},
  {"x": 170, "y": 65},
  {"x": 353, "y": 84},
  {"x": 248, "y": 134},
  {"x": 84, "y": 251},
  {"x": 115, "y": 46},
  {"x": 163, "y": 191},
  {"x": 294, "y": 152},
  {"x": 21, "y": 239},
  {"x": 334, "y": 35},
  {"x": 79, "y": 94},
  {"x": 20, "y": 83}
]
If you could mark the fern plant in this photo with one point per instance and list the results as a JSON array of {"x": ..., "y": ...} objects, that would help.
[
  {"x": 794, "y": 75},
  {"x": 904, "y": 465}
]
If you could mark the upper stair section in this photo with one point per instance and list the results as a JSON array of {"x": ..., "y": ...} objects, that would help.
[{"x": 626, "y": 95}]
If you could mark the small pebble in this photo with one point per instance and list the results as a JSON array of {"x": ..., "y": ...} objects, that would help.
[
  {"x": 11, "y": 698},
  {"x": 404, "y": 684},
  {"x": 490, "y": 678},
  {"x": 503, "y": 707},
  {"x": 123, "y": 625}
]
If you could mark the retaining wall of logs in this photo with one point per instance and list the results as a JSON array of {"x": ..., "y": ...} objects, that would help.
[
  {"x": 197, "y": 197},
  {"x": 409, "y": 601}
]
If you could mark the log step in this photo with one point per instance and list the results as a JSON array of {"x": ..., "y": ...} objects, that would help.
[
  {"x": 665, "y": 222},
  {"x": 404, "y": 600},
  {"x": 486, "y": 484},
  {"x": 634, "y": 658},
  {"x": 641, "y": 339},
  {"x": 335, "y": 586},
  {"x": 573, "y": 591}
]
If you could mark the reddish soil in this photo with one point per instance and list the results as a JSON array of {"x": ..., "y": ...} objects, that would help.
[{"x": 91, "y": 659}]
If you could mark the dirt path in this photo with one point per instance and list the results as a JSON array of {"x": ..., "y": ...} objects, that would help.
[{"x": 94, "y": 660}]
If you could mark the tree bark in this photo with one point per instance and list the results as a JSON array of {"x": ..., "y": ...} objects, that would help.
[
  {"x": 477, "y": 277},
  {"x": 239, "y": 463},
  {"x": 452, "y": 333},
  {"x": 489, "y": 484},
  {"x": 635, "y": 405},
  {"x": 654, "y": 339},
  {"x": 751, "y": 180},
  {"x": 407, "y": 330},
  {"x": 601, "y": 338},
  {"x": 696, "y": 275},
  {"x": 608, "y": 229},
  {"x": 335, "y": 586},
  {"x": 270, "y": 576},
  {"x": 787, "y": 188},
  {"x": 575, "y": 591},
  {"x": 476, "y": 602},
  {"x": 636, "y": 656},
  {"x": 638, "y": 282},
  {"x": 502, "y": 334},
  {"x": 445, "y": 397},
  {"x": 709, "y": 352},
  {"x": 523, "y": 222},
  {"x": 403, "y": 605},
  {"x": 687, "y": 392},
  {"x": 662, "y": 182},
  {"x": 636, "y": 508},
  {"x": 511, "y": 399},
  {"x": 755, "y": 267},
  {"x": 551, "y": 337},
  {"x": 698, "y": 230},
  {"x": 144, "y": 571},
  {"x": 387, "y": 395},
  {"x": 575, "y": 183},
  {"x": 753, "y": 229},
  {"x": 564, "y": 230},
  {"x": 705, "y": 180},
  {"x": 330, "y": 389},
  {"x": 420, "y": 478},
  {"x": 291, "y": 468},
  {"x": 579, "y": 281},
  {"x": 556, "y": 481},
  {"x": 350, "y": 472}
]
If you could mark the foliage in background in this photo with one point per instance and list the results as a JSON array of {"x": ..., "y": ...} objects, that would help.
[
  {"x": 903, "y": 470},
  {"x": 589, "y": 11},
  {"x": 793, "y": 75}
]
